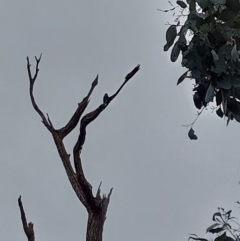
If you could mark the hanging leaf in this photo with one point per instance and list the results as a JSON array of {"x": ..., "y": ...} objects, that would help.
[
  {"x": 182, "y": 77},
  {"x": 191, "y": 134},
  {"x": 203, "y": 3},
  {"x": 218, "y": 214},
  {"x": 216, "y": 230},
  {"x": 218, "y": 97},
  {"x": 211, "y": 227},
  {"x": 171, "y": 34},
  {"x": 209, "y": 94},
  {"x": 175, "y": 52},
  {"x": 197, "y": 101},
  {"x": 219, "y": 112},
  {"x": 228, "y": 214},
  {"x": 234, "y": 53},
  {"x": 229, "y": 118},
  {"x": 182, "y": 4},
  {"x": 215, "y": 56}
]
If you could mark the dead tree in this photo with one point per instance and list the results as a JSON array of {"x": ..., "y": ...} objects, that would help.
[{"x": 97, "y": 205}]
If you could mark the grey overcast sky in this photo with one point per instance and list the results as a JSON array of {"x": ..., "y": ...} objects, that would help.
[{"x": 165, "y": 186}]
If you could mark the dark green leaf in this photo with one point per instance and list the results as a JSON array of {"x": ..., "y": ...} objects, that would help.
[
  {"x": 197, "y": 101},
  {"x": 218, "y": 214},
  {"x": 191, "y": 134},
  {"x": 196, "y": 74},
  {"x": 224, "y": 84},
  {"x": 182, "y": 77},
  {"x": 210, "y": 94},
  {"x": 211, "y": 227},
  {"x": 219, "y": 2},
  {"x": 234, "y": 53},
  {"x": 216, "y": 230},
  {"x": 218, "y": 97},
  {"x": 228, "y": 213},
  {"x": 182, "y": 4},
  {"x": 215, "y": 56},
  {"x": 192, "y": 6},
  {"x": 171, "y": 34},
  {"x": 223, "y": 237},
  {"x": 175, "y": 52},
  {"x": 219, "y": 112},
  {"x": 203, "y": 3},
  {"x": 229, "y": 117}
]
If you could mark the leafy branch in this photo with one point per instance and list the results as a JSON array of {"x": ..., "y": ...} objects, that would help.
[{"x": 211, "y": 56}]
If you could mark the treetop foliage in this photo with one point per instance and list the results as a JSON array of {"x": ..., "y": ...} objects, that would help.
[{"x": 210, "y": 53}]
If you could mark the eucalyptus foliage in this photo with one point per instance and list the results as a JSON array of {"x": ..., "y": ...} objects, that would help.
[
  {"x": 223, "y": 225},
  {"x": 209, "y": 43}
]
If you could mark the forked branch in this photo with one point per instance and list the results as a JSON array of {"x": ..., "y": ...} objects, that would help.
[
  {"x": 32, "y": 81},
  {"x": 95, "y": 205}
]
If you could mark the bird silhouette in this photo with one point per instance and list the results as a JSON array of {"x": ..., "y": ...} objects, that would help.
[{"x": 105, "y": 98}]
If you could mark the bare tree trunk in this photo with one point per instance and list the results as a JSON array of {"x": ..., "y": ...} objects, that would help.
[
  {"x": 96, "y": 206},
  {"x": 95, "y": 227}
]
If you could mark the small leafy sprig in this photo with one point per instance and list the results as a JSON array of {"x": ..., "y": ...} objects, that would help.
[{"x": 222, "y": 225}]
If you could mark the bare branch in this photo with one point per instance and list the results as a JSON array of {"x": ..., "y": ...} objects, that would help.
[
  {"x": 87, "y": 119},
  {"x": 49, "y": 121},
  {"x": 107, "y": 99},
  {"x": 78, "y": 113},
  {"x": 32, "y": 81},
  {"x": 98, "y": 191},
  {"x": 27, "y": 227}
]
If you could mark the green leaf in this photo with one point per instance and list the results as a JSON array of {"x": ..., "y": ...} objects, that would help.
[
  {"x": 216, "y": 2},
  {"x": 224, "y": 237},
  {"x": 219, "y": 97},
  {"x": 171, "y": 34},
  {"x": 182, "y": 4},
  {"x": 215, "y": 56},
  {"x": 175, "y": 52},
  {"x": 224, "y": 84},
  {"x": 218, "y": 214},
  {"x": 196, "y": 74},
  {"x": 203, "y": 3},
  {"x": 211, "y": 227},
  {"x": 197, "y": 101},
  {"x": 182, "y": 77},
  {"x": 219, "y": 112},
  {"x": 216, "y": 230},
  {"x": 228, "y": 214},
  {"x": 229, "y": 117},
  {"x": 234, "y": 80},
  {"x": 191, "y": 134},
  {"x": 234, "y": 53},
  {"x": 210, "y": 94}
]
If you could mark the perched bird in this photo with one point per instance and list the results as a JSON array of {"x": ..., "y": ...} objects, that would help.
[{"x": 105, "y": 98}]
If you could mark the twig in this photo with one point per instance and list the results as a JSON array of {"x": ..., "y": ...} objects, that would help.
[
  {"x": 27, "y": 227},
  {"x": 198, "y": 114},
  {"x": 32, "y": 81}
]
